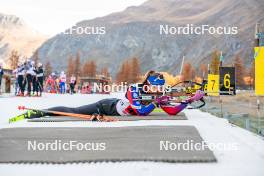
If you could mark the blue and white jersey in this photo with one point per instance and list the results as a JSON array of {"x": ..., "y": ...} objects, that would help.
[
  {"x": 133, "y": 94},
  {"x": 21, "y": 70}
]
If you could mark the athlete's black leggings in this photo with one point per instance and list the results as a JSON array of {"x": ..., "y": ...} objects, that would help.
[
  {"x": 72, "y": 88},
  {"x": 21, "y": 83},
  {"x": 29, "y": 83},
  {"x": 102, "y": 107},
  {"x": 39, "y": 84},
  {"x": 34, "y": 83}
]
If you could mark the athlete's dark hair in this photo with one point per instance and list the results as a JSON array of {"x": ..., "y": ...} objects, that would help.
[{"x": 147, "y": 75}]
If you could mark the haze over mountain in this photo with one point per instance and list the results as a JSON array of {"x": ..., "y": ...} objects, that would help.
[
  {"x": 16, "y": 35},
  {"x": 136, "y": 32}
]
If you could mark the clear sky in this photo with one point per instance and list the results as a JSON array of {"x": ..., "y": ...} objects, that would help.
[{"x": 53, "y": 16}]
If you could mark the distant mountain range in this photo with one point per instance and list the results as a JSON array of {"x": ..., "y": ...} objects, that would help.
[
  {"x": 136, "y": 32},
  {"x": 16, "y": 35}
]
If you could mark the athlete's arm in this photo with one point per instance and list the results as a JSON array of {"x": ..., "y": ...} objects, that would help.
[{"x": 174, "y": 109}]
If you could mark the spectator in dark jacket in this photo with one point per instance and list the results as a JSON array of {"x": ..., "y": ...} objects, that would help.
[{"x": 1, "y": 75}]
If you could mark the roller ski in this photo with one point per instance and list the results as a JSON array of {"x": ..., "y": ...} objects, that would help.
[{"x": 30, "y": 114}]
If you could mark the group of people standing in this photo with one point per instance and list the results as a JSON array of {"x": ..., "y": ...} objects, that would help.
[
  {"x": 29, "y": 79},
  {"x": 58, "y": 84}
]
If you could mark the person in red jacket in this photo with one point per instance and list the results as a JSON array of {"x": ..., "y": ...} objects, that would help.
[{"x": 50, "y": 85}]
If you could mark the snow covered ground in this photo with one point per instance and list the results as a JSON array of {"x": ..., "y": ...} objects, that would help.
[{"x": 248, "y": 159}]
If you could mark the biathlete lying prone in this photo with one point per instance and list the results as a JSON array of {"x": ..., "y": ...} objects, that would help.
[{"x": 131, "y": 105}]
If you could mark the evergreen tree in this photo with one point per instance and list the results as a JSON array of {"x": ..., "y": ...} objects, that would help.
[
  {"x": 85, "y": 69},
  {"x": 13, "y": 59},
  {"x": 77, "y": 65},
  {"x": 105, "y": 72},
  {"x": 93, "y": 68},
  {"x": 187, "y": 72},
  {"x": 129, "y": 71},
  {"x": 120, "y": 77},
  {"x": 89, "y": 69},
  {"x": 135, "y": 70}
]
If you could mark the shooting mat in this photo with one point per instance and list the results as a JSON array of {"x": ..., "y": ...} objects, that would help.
[
  {"x": 153, "y": 116},
  {"x": 140, "y": 143}
]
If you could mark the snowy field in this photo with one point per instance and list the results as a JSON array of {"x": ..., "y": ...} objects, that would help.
[{"x": 248, "y": 159}]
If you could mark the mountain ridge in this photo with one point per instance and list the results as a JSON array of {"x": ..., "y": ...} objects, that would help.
[
  {"x": 15, "y": 34},
  {"x": 135, "y": 32}
]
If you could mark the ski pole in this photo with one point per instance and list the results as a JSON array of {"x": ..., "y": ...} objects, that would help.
[{"x": 99, "y": 118}]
